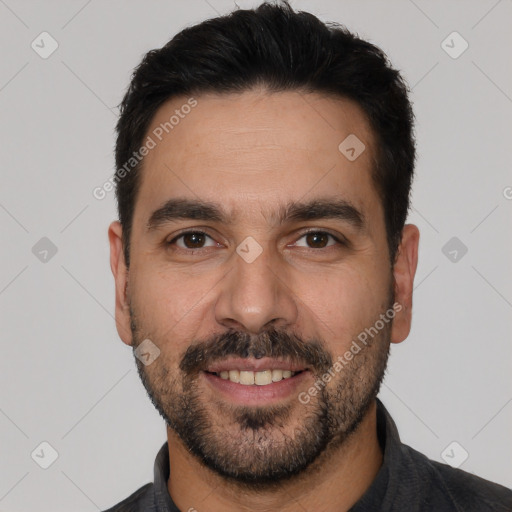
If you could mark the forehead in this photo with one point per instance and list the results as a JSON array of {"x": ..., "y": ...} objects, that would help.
[{"x": 252, "y": 150}]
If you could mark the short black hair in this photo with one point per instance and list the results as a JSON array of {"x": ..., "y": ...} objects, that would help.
[{"x": 282, "y": 50}]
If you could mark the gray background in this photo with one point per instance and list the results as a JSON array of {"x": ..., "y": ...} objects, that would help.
[{"x": 67, "y": 379}]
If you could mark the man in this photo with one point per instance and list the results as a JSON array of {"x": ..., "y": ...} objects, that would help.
[{"x": 263, "y": 267}]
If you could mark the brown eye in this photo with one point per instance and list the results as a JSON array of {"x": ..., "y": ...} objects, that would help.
[
  {"x": 192, "y": 240},
  {"x": 318, "y": 240}
]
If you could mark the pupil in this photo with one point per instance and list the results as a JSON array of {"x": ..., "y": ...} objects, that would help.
[
  {"x": 196, "y": 240},
  {"x": 316, "y": 239}
]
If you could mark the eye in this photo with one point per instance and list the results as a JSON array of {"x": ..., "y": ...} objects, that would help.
[
  {"x": 318, "y": 240},
  {"x": 191, "y": 240}
]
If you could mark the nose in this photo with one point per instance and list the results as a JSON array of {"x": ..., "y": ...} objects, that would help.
[{"x": 256, "y": 295}]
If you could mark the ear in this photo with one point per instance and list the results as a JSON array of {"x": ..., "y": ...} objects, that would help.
[
  {"x": 120, "y": 272},
  {"x": 403, "y": 273}
]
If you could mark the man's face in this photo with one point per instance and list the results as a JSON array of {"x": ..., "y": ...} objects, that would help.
[{"x": 281, "y": 274}]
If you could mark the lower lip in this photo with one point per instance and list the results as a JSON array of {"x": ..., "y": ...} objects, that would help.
[{"x": 254, "y": 394}]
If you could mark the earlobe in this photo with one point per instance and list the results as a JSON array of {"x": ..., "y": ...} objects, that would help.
[
  {"x": 404, "y": 271},
  {"x": 120, "y": 273}
]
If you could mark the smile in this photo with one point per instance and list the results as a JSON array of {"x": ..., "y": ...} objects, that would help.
[
  {"x": 259, "y": 378},
  {"x": 251, "y": 381}
]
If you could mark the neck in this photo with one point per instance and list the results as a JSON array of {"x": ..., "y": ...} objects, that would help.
[{"x": 334, "y": 483}]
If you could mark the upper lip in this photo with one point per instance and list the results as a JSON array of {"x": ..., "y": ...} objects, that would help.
[{"x": 254, "y": 365}]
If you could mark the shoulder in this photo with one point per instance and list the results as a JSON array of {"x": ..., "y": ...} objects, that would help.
[
  {"x": 463, "y": 491},
  {"x": 136, "y": 502}
]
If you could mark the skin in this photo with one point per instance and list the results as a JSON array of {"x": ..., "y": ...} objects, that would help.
[{"x": 250, "y": 153}]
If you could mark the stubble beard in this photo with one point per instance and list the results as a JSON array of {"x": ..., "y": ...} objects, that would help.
[{"x": 261, "y": 447}]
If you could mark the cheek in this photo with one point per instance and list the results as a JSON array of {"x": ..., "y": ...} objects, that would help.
[
  {"x": 344, "y": 302},
  {"x": 169, "y": 305}
]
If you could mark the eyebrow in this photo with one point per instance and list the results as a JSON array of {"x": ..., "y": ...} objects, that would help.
[{"x": 316, "y": 209}]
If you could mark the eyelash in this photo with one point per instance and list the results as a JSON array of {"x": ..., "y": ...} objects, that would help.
[{"x": 339, "y": 241}]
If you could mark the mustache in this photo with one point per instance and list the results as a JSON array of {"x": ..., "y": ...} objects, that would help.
[{"x": 271, "y": 343}]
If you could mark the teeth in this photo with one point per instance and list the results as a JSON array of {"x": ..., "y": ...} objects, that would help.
[
  {"x": 234, "y": 375},
  {"x": 277, "y": 375},
  {"x": 247, "y": 378},
  {"x": 262, "y": 378}
]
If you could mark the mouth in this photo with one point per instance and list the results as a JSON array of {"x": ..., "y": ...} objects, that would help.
[
  {"x": 251, "y": 378},
  {"x": 255, "y": 381}
]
